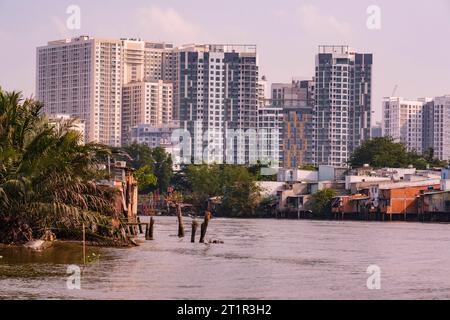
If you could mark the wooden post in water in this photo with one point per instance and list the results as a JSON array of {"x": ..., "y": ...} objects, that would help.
[
  {"x": 139, "y": 225},
  {"x": 131, "y": 230},
  {"x": 152, "y": 222},
  {"x": 84, "y": 245},
  {"x": 180, "y": 221},
  {"x": 194, "y": 230},
  {"x": 149, "y": 230},
  {"x": 204, "y": 226}
]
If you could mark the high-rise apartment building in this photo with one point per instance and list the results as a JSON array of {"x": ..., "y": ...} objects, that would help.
[
  {"x": 403, "y": 121},
  {"x": 83, "y": 77},
  {"x": 427, "y": 125},
  {"x": 342, "y": 108},
  {"x": 263, "y": 92},
  {"x": 377, "y": 130},
  {"x": 150, "y": 62},
  {"x": 270, "y": 135},
  {"x": 219, "y": 101},
  {"x": 441, "y": 128},
  {"x": 420, "y": 124},
  {"x": 298, "y": 93},
  {"x": 296, "y": 100},
  {"x": 154, "y": 136},
  {"x": 145, "y": 103},
  {"x": 297, "y": 137},
  {"x": 436, "y": 127}
]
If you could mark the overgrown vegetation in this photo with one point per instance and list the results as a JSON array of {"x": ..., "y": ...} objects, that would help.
[
  {"x": 256, "y": 171},
  {"x": 384, "y": 152},
  {"x": 309, "y": 167},
  {"x": 321, "y": 202},
  {"x": 153, "y": 167},
  {"x": 47, "y": 179},
  {"x": 235, "y": 185}
]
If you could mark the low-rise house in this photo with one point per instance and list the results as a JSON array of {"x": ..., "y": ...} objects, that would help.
[
  {"x": 366, "y": 193},
  {"x": 389, "y": 191},
  {"x": 298, "y": 203},
  {"x": 437, "y": 202},
  {"x": 402, "y": 199},
  {"x": 293, "y": 195},
  {"x": 355, "y": 205},
  {"x": 324, "y": 173},
  {"x": 297, "y": 175},
  {"x": 445, "y": 179},
  {"x": 270, "y": 188},
  {"x": 298, "y": 186},
  {"x": 123, "y": 180}
]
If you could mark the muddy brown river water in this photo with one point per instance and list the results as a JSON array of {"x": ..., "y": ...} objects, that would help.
[{"x": 259, "y": 259}]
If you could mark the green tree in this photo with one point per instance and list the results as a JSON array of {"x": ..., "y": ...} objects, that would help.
[
  {"x": 256, "y": 170},
  {"x": 141, "y": 155},
  {"x": 321, "y": 202},
  {"x": 145, "y": 178},
  {"x": 162, "y": 168},
  {"x": 47, "y": 178},
  {"x": 234, "y": 184},
  {"x": 432, "y": 160},
  {"x": 308, "y": 167},
  {"x": 180, "y": 180},
  {"x": 380, "y": 152},
  {"x": 156, "y": 162},
  {"x": 384, "y": 152},
  {"x": 205, "y": 181},
  {"x": 240, "y": 192}
]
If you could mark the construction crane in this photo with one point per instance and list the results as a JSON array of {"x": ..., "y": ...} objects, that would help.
[{"x": 395, "y": 90}]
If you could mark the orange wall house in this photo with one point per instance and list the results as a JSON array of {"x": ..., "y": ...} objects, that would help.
[
  {"x": 356, "y": 203},
  {"x": 402, "y": 200}
]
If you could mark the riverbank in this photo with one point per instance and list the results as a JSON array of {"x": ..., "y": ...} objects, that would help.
[
  {"x": 48, "y": 244},
  {"x": 362, "y": 217},
  {"x": 380, "y": 217}
]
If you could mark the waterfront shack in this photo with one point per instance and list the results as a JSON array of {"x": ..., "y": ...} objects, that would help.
[
  {"x": 434, "y": 206},
  {"x": 355, "y": 206},
  {"x": 400, "y": 201},
  {"x": 123, "y": 180}
]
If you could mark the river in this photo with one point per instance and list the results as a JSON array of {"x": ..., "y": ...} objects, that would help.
[{"x": 259, "y": 259}]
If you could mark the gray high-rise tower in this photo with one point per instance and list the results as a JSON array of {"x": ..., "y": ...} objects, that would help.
[
  {"x": 342, "y": 109},
  {"x": 218, "y": 94}
]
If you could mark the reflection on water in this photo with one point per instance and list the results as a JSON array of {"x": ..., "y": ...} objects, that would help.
[{"x": 272, "y": 259}]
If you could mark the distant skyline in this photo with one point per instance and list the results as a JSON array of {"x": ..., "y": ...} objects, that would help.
[{"x": 410, "y": 50}]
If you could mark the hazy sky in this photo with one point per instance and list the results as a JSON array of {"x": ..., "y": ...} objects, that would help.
[{"x": 412, "y": 48}]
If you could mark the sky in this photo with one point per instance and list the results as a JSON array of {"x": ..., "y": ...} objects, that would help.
[{"x": 411, "y": 47}]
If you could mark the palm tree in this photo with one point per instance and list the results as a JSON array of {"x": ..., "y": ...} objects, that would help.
[{"x": 47, "y": 178}]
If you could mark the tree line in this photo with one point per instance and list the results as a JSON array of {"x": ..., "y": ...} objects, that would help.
[
  {"x": 383, "y": 152},
  {"x": 48, "y": 179}
]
